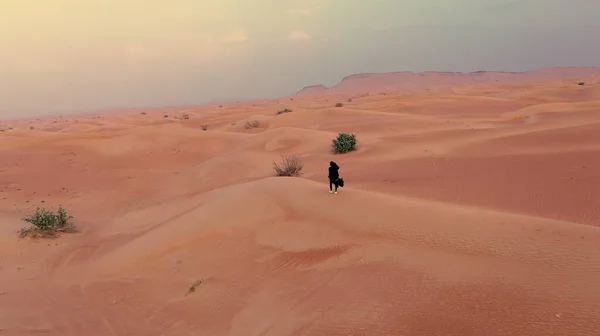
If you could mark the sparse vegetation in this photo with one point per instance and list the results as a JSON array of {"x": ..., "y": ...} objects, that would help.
[
  {"x": 46, "y": 223},
  {"x": 581, "y": 83},
  {"x": 344, "y": 143},
  {"x": 204, "y": 127},
  {"x": 339, "y": 105},
  {"x": 31, "y": 127},
  {"x": 349, "y": 100},
  {"x": 186, "y": 116},
  {"x": 289, "y": 166},
  {"x": 143, "y": 113},
  {"x": 252, "y": 124},
  {"x": 284, "y": 111},
  {"x": 166, "y": 116},
  {"x": 194, "y": 286}
]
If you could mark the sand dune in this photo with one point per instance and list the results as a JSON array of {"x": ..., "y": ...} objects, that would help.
[{"x": 468, "y": 210}]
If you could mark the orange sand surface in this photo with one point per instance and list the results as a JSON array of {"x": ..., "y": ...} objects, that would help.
[{"x": 470, "y": 210}]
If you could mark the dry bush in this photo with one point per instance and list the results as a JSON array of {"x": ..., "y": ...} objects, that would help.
[
  {"x": 339, "y": 105},
  {"x": 284, "y": 111},
  {"x": 204, "y": 127},
  {"x": 252, "y": 124},
  {"x": 194, "y": 286},
  {"x": 45, "y": 223},
  {"x": 186, "y": 116},
  {"x": 289, "y": 166}
]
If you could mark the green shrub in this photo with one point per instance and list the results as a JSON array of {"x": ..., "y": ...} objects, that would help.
[
  {"x": 290, "y": 166},
  {"x": 344, "y": 143},
  {"x": 46, "y": 223}
]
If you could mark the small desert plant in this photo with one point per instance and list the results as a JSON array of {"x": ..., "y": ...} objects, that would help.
[
  {"x": 31, "y": 127},
  {"x": 289, "y": 166},
  {"x": 349, "y": 100},
  {"x": 284, "y": 111},
  {"x": 143, "y": 113},
  {"x": 252, "y": 124},
  {"x": 46, "y": 223},
  {"x": 194, "y": 286},
  {"x": 166, "y": 116},
  {"x": 204, "y": 127},
  {"x": 344, "y": 143},
  {"x": 339, "y": 105},
  {"x": 186, "y": 116},
  {"x": 581, "y": 83}
]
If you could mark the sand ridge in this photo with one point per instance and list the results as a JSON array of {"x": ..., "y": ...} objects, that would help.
[{"x": 468, "y": 210}]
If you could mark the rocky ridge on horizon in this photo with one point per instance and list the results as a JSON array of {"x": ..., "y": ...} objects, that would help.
[{"x": 408, "y": 79}]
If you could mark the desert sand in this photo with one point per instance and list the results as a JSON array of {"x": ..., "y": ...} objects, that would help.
[{"x": 469, "y": 209}]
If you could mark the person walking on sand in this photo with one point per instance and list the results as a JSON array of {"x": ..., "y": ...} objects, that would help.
[{"x": 334, "y": 175}]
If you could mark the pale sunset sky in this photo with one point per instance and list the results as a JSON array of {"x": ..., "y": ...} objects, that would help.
[{"x": 61, "y": 56}]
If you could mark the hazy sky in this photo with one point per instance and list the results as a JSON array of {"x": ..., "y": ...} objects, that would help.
[{"x": 77, "y": 55}]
